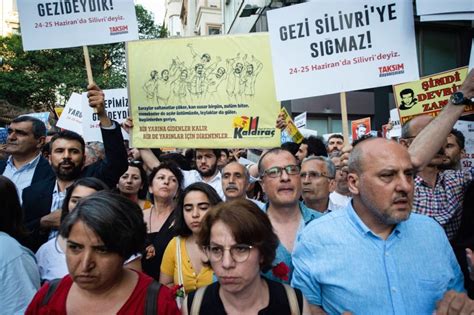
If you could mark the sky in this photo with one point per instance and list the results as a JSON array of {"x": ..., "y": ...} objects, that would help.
[{"x": 157, "y": 7}]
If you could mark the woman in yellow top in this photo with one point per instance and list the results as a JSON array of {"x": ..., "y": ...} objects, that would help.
[{"x": 193, "y": 204}]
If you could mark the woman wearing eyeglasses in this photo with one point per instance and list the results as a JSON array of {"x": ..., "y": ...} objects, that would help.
[
  {"x": 132, "y": 184},
  {"x": 182, "y": 262},
  {"x": 240, "y": 243}
]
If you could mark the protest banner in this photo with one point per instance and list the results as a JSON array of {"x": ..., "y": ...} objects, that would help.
[
  {"x": 48, "y": 24},
  {"x": 396, "y": 131},
  {"x": 79, "y": 117},
  {"x": 424, "y": 7},
  {"x": 467, "y": 129},
  {"x": 360, "y": 127},
  {"x": 203, "y": 92},
  {"x": 324, "y": 47},
  {"x": 116, "y": 105},
  {"x": 428, "y": 95},
  {"x": 300, "y": 120}
]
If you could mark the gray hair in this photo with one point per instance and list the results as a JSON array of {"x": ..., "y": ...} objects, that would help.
[{"x": 331, "y": 168}]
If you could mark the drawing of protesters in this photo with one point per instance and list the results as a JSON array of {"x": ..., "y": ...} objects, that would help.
[
  {"x": 235, "y": 67},
  {"x": 150, "y": 85},
  {"x": 248, "y": 79}
]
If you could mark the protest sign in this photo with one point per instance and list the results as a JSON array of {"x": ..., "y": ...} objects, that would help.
[
  {"x": 48, "y": 24},
  {"x": 323, "y": 47},
  {"x": 291, "y": 134},
  {"x": 3, "y": 135},
  {"x": 467, "y": 129},
  {"x": 447, "y": 17},
  {"x": 360, "y": 127},
  {"x": 71, "y": 117},
  {"x": 424, "y": 7},
  {"x": 203, "y": 92},
  {"x": 79, "y": 117},
  {"x": 116, "y": 105},
  {"x": 471, "y": 57},
  {"x": 300, "y": 120},
  {"x": 428, "y": 95},
  {"x": 396, "y": 131}
]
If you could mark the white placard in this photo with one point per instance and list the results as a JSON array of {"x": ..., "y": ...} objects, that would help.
[
  {"x": 323, "y": 47},
  {"x": 71, "y": 118},
  {"x": 396, "y": 131},
  {"x": 443, "y": 6},
  {"x": 467, "y": 129},
  {"x": 116, "y": 105},
  {"x": 300, "y": 120},
  {"x": 48, "y": 24},
  {"x": 447, "y": 17}
]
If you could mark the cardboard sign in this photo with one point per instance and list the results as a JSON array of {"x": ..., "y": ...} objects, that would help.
[
  {"x": 324, "y": 47},
  {"x": 71, "y": 117},
  {"x": 360, "y": 127},
  {"x": 203, "y": 92},
  {"x": 467, "y": 129},
  {"x": 48, "y": 24},
  {"x": 300, "y": 120},
  {"x": 429, "y": 95}
]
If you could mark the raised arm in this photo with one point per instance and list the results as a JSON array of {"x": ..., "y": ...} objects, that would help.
[{"x": 433, "y": 136}]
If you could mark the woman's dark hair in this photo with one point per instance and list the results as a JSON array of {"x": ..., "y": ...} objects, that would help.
[
  {"x": 248, "y": 224},
  {"x": 117, "y": 220},
  {"x": 139, "y": 164},
  {"x": 11, "y": 214},
  {"x": 173, "y": 168},
  {"x": 90, "y": 182},
  {"x": 180, "y": 225}
]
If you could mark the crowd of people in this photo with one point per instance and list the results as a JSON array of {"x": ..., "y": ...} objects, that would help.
[{"x": 321, "y": 227}]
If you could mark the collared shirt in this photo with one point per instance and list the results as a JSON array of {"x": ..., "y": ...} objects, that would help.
[
  {"x": 339, "y": 200},
  {"x": 443, "y": 202},
  {"x": 282, "y": 254},
  {"x": 21, "y": 177},
  {"x": 58, "y": 199},
  {"x": 193, "y": 176},
  {"x": 341, "y": 265}
]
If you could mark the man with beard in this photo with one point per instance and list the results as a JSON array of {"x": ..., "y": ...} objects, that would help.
[
  {"x": 236, "y": 181},
  {"x": 399, "y": 263},
  {"x": 42, "y": 201},
  {"x": 335, "y": 143}
]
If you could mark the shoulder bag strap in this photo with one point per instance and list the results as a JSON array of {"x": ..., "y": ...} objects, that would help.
[
  {"x": 151, "y": 305},
  {"x": 196, "y": 304},
  {"x": 53, "y": 285},
  {"x": 291, "y": 295},
  {"x": 179, "y": 262}
]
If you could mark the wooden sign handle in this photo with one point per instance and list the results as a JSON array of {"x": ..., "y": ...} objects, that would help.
[
  {"x": 90, "y": 78},
  {"x": 345, "y": 123}
]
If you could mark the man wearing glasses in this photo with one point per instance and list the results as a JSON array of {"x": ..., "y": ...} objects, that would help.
[
  {"x": 280, "y": 179},
  {"x": 318, "y": 181}
]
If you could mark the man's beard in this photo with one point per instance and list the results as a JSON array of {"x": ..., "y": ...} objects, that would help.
[
  {"x": 208, "y": 173},
  {"x": 68, "y": 174}
]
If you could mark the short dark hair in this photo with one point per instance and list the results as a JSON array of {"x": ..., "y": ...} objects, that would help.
[
  {"x": 11, "y": 214},
  {"x": 173, "y": 168},
  {"x": 69, "y": 135},
  {"x": 90, "y": 182},
  {"x": 139, "y": 165},
  {"x": 180, "y": 225},
  {"x": 316, "y": 146},
  {"x": 39, "y": 129},
  {"x": 460, "y": 140},
  {"x": 248, "y": 223},
  {"x": 117, "y": 220},
  {"x": 407, "y": 91},
  {"x": 336, "y": 135},
  {"x": 217, "y": 152},
  {"x": 291, "y": 147}
]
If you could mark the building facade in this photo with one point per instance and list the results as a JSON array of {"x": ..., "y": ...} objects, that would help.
[{"x": 10, "y": 23}]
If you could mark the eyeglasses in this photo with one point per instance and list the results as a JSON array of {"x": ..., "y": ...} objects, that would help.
[
  {"x": 276, "y": 171},
  {"x": 313, "y": 175},
  {"x": 238, "y": 252}
]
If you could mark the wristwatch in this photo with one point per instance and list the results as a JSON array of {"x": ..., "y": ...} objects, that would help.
[{"x": 458, "y": 98}]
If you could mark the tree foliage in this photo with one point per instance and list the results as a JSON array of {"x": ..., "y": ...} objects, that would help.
[{"x": 41, "y": 79}]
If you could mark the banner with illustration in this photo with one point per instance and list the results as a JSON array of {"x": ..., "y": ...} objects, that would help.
[
  {"x": 360, "y": 128},
  {"x": 326, "y": 46},
  {"x": 429, "y": 95},
  {"x": 47, "y": 24},
  {"x": 203, "y": 92},
  {"x": 467, "y": 129}
]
